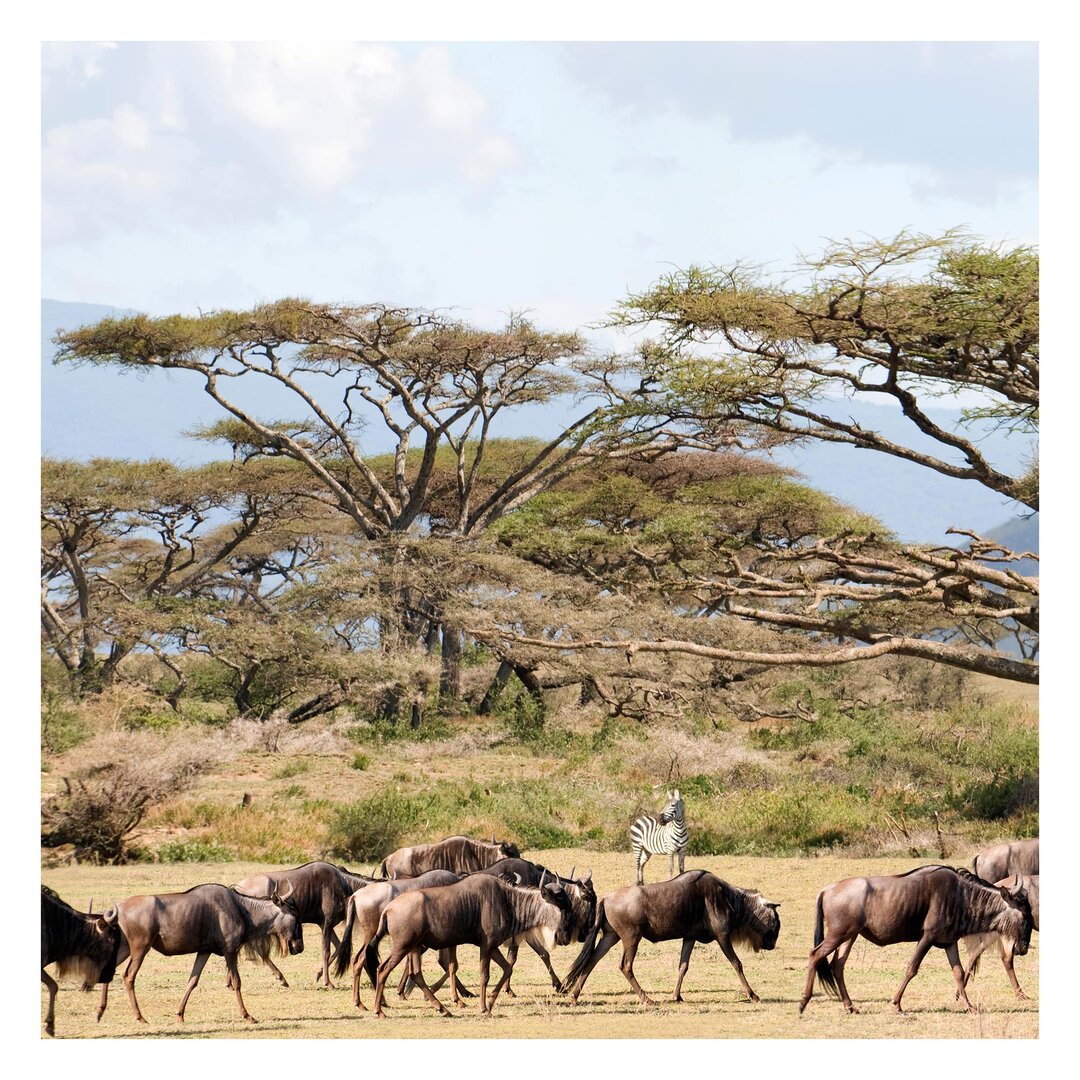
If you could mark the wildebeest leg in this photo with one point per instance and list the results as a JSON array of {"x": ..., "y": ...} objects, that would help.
[
  {"x": 1007, "y": 960},
  {"x": 234, "y": 974},
  {"x": 275, "y": 969},
  {"x": 129, "y": 981},
  {"x": 923, "y": 947},
  {"x": 684, "y": 963},
  {"x": 51, "y": 986},
  {"x": 328, "y": 938},
  {"x": 606, "y": 942},
  {"x": 102, "y": 1003},
  {"x": 973, "y": 958},
  {"x": 626, "y": 965},
  {"x": 736, "y": 963},
  {"x": 682, "y": 859},
  {"x": 952, "y": 952},
  {"x": 418, "y": 978},
  {"x": 543, "y": 954},
  {"x": 512, "y": 955},
  {"x": 819, "y": 955},
  {"x": 838, "y": 974},
  {"x": 507, "y": 970},
  {"x": 196, "y": 971}
]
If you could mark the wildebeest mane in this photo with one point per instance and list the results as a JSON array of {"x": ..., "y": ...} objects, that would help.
[
  {"x": 749, "y": 919},
  {"x": 260, "y": 945}
]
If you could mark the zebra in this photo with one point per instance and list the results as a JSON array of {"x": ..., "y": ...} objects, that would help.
[{"x": 665, "y": 835}]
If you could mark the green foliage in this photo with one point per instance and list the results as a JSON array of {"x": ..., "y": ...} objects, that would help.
[
  {"x": 292, "y": 768},
  {"x": 62, "y": 727},
  {"x": 368, "y": 732},
  {"x": 190, "y": 851},
  {"x": 373, "y": 827},
  {"x": 360, "y": 762}
]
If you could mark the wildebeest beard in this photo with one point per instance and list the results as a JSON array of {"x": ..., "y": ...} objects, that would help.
[{"x": 753, "y": 921}]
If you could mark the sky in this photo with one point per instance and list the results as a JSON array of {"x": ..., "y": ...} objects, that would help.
[{"x": 491, "y": 177}]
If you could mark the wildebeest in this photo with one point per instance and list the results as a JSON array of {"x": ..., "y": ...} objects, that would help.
[
  {"x": 480, "y": 910},
  {"x": 582, "y": 895},
  {"x": 460, "y": 854},
  {"x": 695, "y": 906},
  {"x": 83, "y": 945},
  {"x": 1030, "y": 884},
  {"x": 364, "y": 909},
  {"x": 207, "y": 920},
  {"x": 1003, "y": 860},
  {"x": 320, "y": 892},
  {"x": 932, "y": 905}
]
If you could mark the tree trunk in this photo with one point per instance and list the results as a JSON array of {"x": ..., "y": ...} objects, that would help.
[
  {"x": 532, "y": 685},
  {"x": 491, "y": 696},
  {"x": 450, "y": 675}
]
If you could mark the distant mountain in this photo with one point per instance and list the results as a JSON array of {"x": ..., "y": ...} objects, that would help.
[{"x": 101, "y": 412}]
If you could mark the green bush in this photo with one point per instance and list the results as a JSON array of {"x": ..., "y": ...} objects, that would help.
[
  {"x": 360, "y": 762},
  {"x": 185, "y": 851},
  {"x": 291, "y": 769},
  {"x": 62, "y": 728},
  {"x": 373, "y": 827}
]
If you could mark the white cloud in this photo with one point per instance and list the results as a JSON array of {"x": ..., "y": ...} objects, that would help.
[{"x": 219, "y": 131}]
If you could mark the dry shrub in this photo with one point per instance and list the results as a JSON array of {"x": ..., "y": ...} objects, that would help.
[
  {"x": 276, "y": 735},
  {"x": 669, "y": 755},
  {"x": 464, "y": 744},
  {"x": 104, "y": 801}
]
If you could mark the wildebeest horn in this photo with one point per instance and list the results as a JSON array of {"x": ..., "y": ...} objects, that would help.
[
  {"x": 111, "y": 914},
  {"x": 493, "y": 840},
  {"x": 587, "y": 876},
  {"x": 516, "y": 876},
  {"x": 543, "y": 874},
  {"x": 572, "y": 869},
  {"x": 285, "y": 893},
  {"x": 90, "y": 909}
]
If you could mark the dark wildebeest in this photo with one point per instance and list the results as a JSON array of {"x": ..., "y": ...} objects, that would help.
[
  {"x": 1030, "y": 884},
  {"x": 364, "y": 909},
  {"x": 208, "y": 919},
  {"x": 82, "y": 945},
  {"x": 932, "y": 905},
  {"x": 695, "y": 906},
  {"x": 457, "y": 853},
  {"x": 481, "y": 910},
  {"x": 582, "y": 895},
  {"x": 320, "y": 892},
  {"x": 1004, "y": 860}
]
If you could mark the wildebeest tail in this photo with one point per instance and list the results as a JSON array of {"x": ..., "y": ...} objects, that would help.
[
  {"x": 344, "y": 953},
  {"x": 824, "y": 966},
  {"x": 586, "y": 954},
  {"x": 382, "y": 871}
]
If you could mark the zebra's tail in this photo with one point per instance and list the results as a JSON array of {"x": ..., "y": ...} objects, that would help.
[
  {"x": 824, "y": 966},
  {"x": 581, "y": 964},
  {"x": 344, "y": 953}
]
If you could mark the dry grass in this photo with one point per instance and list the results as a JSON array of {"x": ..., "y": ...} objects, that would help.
[{"x": 608, "y": 1008}]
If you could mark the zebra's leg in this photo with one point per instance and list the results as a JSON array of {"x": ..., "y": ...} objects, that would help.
[
  {"x": 684, "y": 963},
  {"x": 641, "y": 857},
  {"x": 671, "y": 864},
  {"x": 626, "y": 965},
  {"x": 682, "y": 860}
]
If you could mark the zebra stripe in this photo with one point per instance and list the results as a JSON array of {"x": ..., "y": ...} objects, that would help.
[{"x": 665, "y": 835}]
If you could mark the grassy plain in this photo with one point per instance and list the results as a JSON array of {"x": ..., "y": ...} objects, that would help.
[{"x": 714, "y": 1008}]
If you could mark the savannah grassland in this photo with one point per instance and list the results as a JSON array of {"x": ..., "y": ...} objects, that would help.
[{"x": 785, "y": 808}]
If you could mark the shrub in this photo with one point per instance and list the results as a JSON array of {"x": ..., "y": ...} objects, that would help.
[
  {"x": 102, "y": 805},
  {"x": 373, "y": 827},
  {"x": 360, "y": 762},
  {"x": 62, "y": 728},
  {"x": 291, "y": 769},
  {"x": 185, "y": 851}
]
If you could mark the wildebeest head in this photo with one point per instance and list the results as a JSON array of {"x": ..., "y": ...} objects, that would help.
[
  {"x": 508, "y": 848},
  {"x": 287, "y": 927},
  {"x": 1014, "y": 924},
  {"x": 760, "y": 927},
  {"x": 554, "y": 893},
  {"x": 582, "y": 895}
]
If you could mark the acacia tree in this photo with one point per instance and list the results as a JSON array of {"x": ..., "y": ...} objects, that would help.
[
  {"x": 436, "y": 387},
  {"x": 121, "y": 541},
  {"x": 911, "y": 319}
]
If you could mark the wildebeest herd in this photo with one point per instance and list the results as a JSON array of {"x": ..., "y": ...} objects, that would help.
[{"x": 466, "y": 892}]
